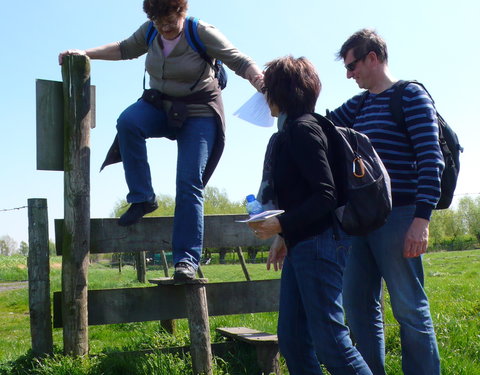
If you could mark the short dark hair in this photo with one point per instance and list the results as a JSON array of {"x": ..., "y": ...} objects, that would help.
[
  {"x": 292, "y": 84},
  {"x": 156, "y": 9},
  {"x": 363, "y": 42}
]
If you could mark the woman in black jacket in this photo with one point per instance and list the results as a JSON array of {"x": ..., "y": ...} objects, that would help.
[{"x": 311, "y": 327}]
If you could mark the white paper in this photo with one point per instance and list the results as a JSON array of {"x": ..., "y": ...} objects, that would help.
[
  {"x": 256, "y": 111},
  {"x": 261, "y": 216}
]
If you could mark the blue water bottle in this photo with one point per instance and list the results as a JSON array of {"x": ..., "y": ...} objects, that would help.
[{"x": 253, "y": 206}]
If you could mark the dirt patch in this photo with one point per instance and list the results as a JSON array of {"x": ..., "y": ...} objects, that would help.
[
  {"x": 56, "y": 266},
  {"x": 11, "y": 286}
]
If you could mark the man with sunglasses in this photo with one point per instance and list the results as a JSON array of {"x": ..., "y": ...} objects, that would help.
[{"x": 414, "y": 161}]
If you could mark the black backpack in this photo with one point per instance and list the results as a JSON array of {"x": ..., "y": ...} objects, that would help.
[
  {"x": 361, "y": 180},
  {"x": 194, "y": 41},
  {"x": 448, "y": 140}
]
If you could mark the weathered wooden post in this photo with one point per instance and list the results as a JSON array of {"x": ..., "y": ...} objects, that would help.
[
  {"x": 163, "y": 257},
  {"x": 197, "y": 311},
  {"x": 168, "y": 325},
  {"x": 39, "y": 277},
  {"x": 200, "y": 272},
  {"x": 141, "y": 266},
  {"x": 76, "y": 229},
  {"x": 243, "y": 263}
]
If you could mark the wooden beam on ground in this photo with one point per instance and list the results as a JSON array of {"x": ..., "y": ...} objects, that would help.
[
  {"x": 152, "y": 233},
  {"x": 111, "y": 306}
]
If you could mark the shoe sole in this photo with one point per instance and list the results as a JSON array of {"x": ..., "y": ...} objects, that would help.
[{"x": 182, "y": 277}]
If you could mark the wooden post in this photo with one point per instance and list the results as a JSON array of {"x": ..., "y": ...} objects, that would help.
[
  {"x": 164, "y": 262},
  {"x": 141, "y": 266},
  {"x": 242, "y": 262},
  {"x": 39, "y": 277},
  {"x": 268, "y": 359},
  {"x": 76, "y": 229},
  {"x": 197, "y": 311},
  {"x": 168, "y": 326},
  {"x": 200, "y": 272}
]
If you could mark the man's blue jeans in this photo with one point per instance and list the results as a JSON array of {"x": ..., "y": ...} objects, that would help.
[
  {"x": 311, "y": 325},
  {"x": 380, "y": 254},
  {"x": 195, "y": 142}
]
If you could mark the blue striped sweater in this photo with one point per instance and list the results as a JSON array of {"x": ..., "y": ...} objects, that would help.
[{"x": 412, "y": 156}]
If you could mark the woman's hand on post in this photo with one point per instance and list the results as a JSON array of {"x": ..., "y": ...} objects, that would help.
[
  {"x": 109, "y": 51},
  {"x": 68, "y": 52}
]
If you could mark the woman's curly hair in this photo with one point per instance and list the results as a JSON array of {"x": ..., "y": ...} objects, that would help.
[{"x": 156, "y": 9}]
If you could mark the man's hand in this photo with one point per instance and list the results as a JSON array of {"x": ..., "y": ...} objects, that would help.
[
  {"x": 277, "y": 254},
  {"x": 266, "y": 228},
  {"x": 416, "y": 240}
]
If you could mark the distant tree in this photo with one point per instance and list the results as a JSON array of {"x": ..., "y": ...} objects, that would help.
[
  {"x": 8, "y": 246},
  {"x": 23, "y": 249},
  {"x": 216, "y": 202},
  {"x": 469, "y": 211}
]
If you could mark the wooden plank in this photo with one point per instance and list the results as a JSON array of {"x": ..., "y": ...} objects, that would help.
[
  {"x": 49, "y": 100},
  {"x": 49, "y": 114},
  {"x": 38, "y": 280},
  {"x": 153, "y": 233},
  {"x": 111, "y": 306},
  {"x": 251, "y": 336}
]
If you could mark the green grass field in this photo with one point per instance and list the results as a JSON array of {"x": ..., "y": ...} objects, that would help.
[{"x": 452, "y": 282}]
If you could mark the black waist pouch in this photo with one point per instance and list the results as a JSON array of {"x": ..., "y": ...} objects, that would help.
[{"x": 178, "y": 111}]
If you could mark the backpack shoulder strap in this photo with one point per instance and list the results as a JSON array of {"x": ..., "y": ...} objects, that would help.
[
  {"x": 150, "y": 34},
  {"x": 361, "y": 102},
  {"x": 396, "y": 100},
  {"x": 193, "y": 39}
]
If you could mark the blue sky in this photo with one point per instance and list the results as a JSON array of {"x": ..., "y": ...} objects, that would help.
[{"x": 433, "y": 41}]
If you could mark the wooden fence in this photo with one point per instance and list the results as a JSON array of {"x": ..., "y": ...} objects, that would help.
[{"x": 76, "y": 236}]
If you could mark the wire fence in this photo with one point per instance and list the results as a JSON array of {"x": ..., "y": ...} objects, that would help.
[{"x": 13, "y": 209}]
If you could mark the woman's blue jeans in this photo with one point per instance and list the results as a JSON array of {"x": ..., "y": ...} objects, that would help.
[
  {"x": 311, "y": 327},
  {"x": 380, "y": 254},
  {"x": 195, "y": 142}
]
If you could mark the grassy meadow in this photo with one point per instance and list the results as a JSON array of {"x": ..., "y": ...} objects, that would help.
[{"x": 452, "y": 282}]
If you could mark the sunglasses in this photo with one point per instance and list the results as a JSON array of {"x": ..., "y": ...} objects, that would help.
[{"x": 351, "y": 67}]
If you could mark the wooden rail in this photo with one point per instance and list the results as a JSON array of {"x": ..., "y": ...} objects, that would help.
[
  {"x": 163, "y": 302},
  {"x": 155, "y": 233}
]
